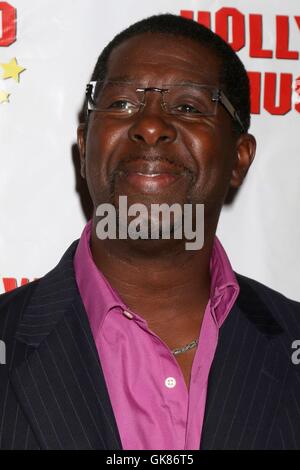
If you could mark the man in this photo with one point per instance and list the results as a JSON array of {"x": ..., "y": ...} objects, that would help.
[{"x": 139, "y": 343}]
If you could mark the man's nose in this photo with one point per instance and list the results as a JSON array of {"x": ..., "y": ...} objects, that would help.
[{"x": 151, "y": 125}]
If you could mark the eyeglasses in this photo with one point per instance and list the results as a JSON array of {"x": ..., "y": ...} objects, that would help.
[{"x": 187, "y": 102}]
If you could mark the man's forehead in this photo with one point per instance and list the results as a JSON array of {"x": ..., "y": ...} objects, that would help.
[{"x": 153, "y": 54}]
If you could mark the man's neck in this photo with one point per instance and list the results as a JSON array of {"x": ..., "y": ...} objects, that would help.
[{"x": 166, "y": 283}]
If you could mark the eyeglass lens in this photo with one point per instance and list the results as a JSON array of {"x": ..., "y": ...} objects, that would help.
[{"x": 182, "y": 100}]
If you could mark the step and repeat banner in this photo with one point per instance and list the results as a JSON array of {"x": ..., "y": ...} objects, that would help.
[{"x": 48, "y": 49}]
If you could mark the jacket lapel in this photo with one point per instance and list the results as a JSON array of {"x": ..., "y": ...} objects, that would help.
[
  {"x": 60, "y": 383},
  {"x": 247, "y": 377}
]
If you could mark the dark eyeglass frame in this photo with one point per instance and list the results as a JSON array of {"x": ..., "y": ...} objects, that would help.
[{"x": 218, "y": 96}]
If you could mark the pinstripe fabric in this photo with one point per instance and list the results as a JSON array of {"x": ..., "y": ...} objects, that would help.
[
  {"x": 252, "y": 377},
  {"x": 53, "y": 394}
]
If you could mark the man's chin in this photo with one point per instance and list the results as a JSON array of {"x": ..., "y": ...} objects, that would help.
[
  {"x": 150, "y": 247},
  {"x": 151, "y": 200}
]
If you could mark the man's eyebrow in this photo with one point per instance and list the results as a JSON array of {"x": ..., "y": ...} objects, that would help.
[
  {"x": 122, "y": 79},
  {"x": 133, "y": 80},
  {"x": 200, "y": 82}
]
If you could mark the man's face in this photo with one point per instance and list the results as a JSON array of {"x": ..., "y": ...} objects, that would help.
[{"x": 153, "y": 157}]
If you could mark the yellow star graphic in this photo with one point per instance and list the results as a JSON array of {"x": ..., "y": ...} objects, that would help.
[
  {"x": 4, "y": 97},
  {"x": 12, "y": 70}
]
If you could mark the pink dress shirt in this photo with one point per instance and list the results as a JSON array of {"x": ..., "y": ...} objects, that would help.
[{"x": 153, "y": 408}]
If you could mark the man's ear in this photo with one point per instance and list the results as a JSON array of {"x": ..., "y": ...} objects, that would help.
[
  {"x": 81, "y": 146},
  {"x": 245, "y": 153}
]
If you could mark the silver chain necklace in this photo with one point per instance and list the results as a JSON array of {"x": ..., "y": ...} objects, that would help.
[{"x": 185, "y": 348}]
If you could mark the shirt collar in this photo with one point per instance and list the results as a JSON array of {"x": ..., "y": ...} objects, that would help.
[
  {"x": 97, "y": 294},
  {"x": 224, "y": 285},
  {"x": 99, "y": 297}
]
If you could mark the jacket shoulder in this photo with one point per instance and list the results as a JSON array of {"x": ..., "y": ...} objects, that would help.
[
  {"x": 17, "y": 294},
  {"x": 12, "y": 304},
  {"x": 284, "y": 310},
  {"x": 264, "y": 290}
]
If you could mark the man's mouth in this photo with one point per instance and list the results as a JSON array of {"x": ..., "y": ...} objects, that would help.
[
  {"x": 151, "y": 182},
  {"x": 150, "y": 176}
]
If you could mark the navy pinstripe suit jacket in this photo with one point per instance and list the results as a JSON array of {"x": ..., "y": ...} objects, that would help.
[{"x": 53, "y": 393}]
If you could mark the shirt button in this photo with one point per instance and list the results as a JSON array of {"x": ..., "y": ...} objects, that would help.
[
  {"x": 170, "y": 382},
  {"x": 128, "y": 314}
]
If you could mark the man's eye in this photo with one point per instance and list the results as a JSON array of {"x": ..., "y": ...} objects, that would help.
[
  {"x": 188, "y": 109},
  {"x": 122, "y": 105}
]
